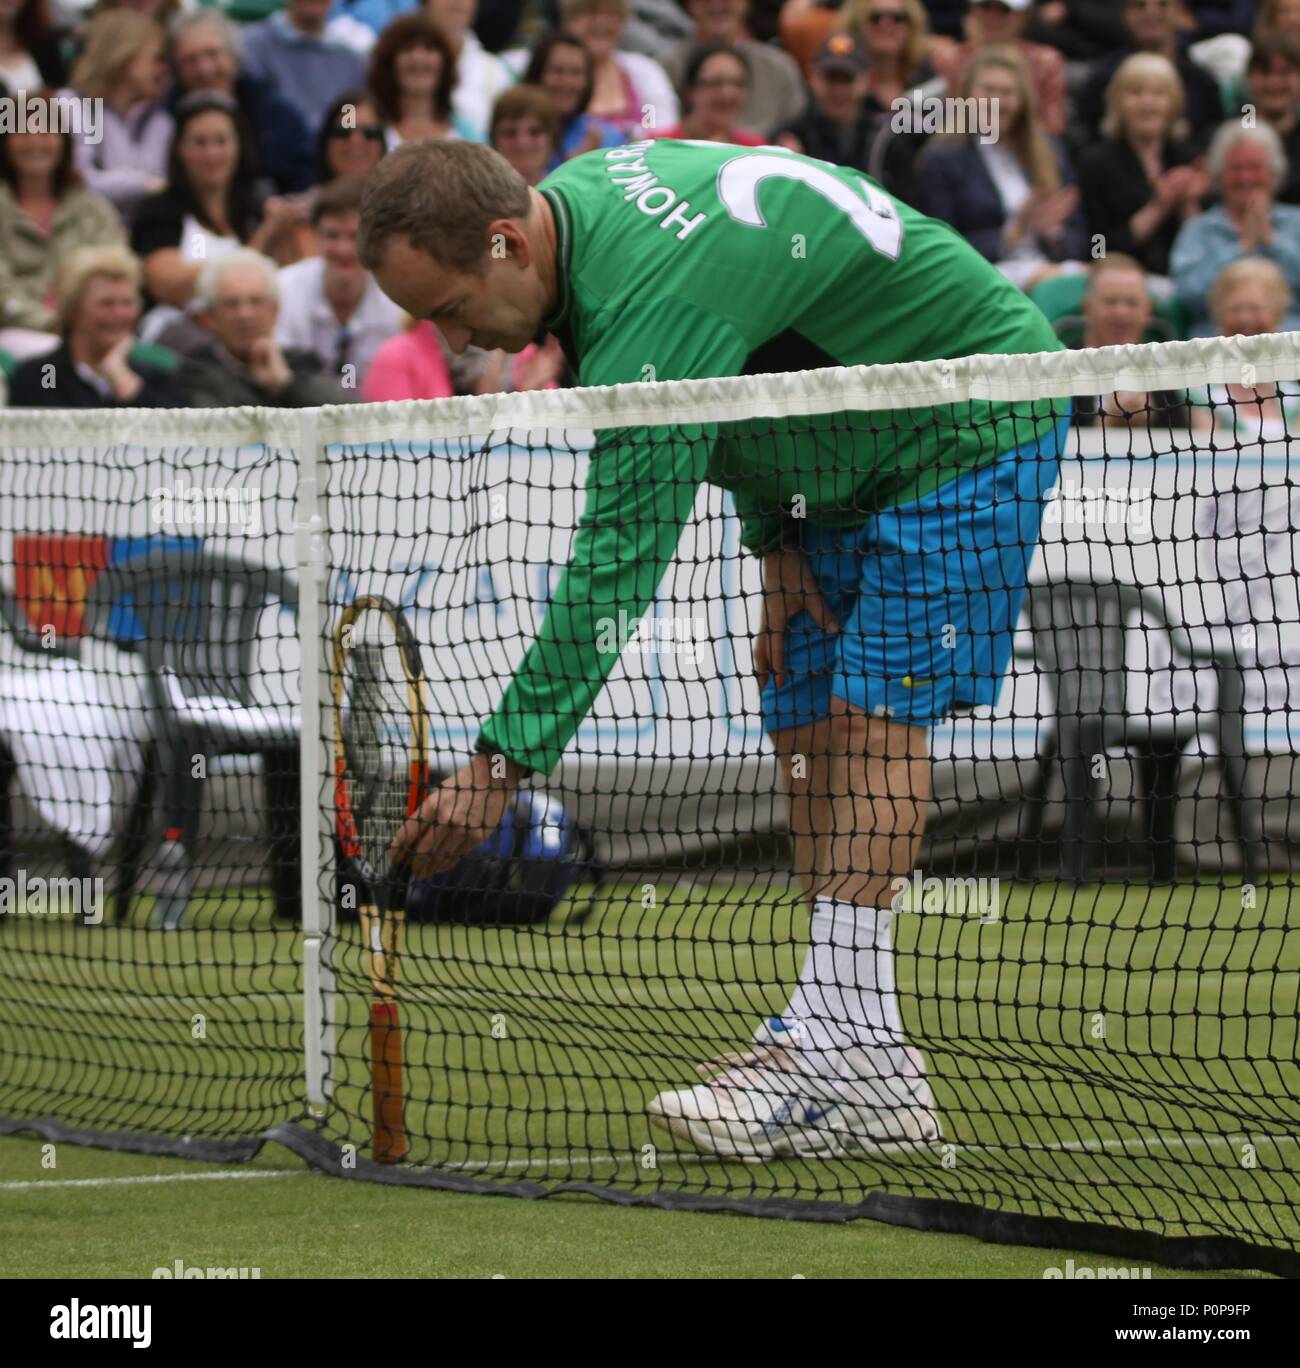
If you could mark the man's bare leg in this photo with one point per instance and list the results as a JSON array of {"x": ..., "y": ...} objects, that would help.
[
  {"x": 833, "y": 1072},
  {"x": 858, "y": 789}
]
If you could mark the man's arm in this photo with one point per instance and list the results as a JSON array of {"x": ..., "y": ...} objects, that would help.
[{"x": 641, "y": 489}]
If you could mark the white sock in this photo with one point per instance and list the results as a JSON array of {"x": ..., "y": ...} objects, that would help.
[{"x": 846, "y": 999}]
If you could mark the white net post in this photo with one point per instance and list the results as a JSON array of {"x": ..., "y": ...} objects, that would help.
[{"x": 311, "y": 559}]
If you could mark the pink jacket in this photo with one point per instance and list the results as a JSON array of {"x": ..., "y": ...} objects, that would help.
[{"x": 408, "y": 366}]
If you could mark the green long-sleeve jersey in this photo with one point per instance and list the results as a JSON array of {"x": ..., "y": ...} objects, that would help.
[{"x": 684, "y": 260}]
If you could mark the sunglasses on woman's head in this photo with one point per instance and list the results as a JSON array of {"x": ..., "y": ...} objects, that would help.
[{"x": 877, "y": 17}]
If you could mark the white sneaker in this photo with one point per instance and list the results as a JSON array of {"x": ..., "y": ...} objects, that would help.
[
  {"x": 760, "y": 1105},
  {"x": 768, "y": 1105},
  {"x": 892, "y": 1064},
  {"x": 895, "y": 1101}
]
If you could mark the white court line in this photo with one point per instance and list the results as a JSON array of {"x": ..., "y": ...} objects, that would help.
[
  {"x": 1140, "y": 1142},
  {"x": 152, "y": 1178}
]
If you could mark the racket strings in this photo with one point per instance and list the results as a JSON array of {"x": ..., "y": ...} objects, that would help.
[{"x": 378, "y": 736}]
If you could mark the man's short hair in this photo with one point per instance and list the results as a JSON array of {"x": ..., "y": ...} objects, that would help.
[
  {"x": 340, "y": 196},
  {"x": 79, "y": 268},
  {"x": 441, "y": 194},
  {"x": 208, "y": 284},
  {"x": 1115, "y": 261}
]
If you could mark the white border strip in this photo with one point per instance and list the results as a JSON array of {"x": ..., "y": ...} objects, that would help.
[{"x": 919, "y": 384}]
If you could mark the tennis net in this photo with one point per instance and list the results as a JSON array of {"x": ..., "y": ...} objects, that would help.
[{"x": 1094, "y": 956}]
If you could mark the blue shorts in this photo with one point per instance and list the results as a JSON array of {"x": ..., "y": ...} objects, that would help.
[{"x": 927, "y": 595}]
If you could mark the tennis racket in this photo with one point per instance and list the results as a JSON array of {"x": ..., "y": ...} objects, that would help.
[{"x": 380, "y": 778}]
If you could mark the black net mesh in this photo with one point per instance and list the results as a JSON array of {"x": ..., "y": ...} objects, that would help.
[{"x": 1032, "y": 964}]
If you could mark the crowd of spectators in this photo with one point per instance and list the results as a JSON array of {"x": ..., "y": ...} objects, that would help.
[{"x": 1143, "y": 181}]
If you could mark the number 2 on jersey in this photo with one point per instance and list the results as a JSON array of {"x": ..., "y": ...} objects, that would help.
[{"x": 872, "y": 212}]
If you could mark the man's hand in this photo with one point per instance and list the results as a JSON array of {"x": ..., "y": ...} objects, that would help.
[
  {"x": 460, "y": 814},
  {"x": 267, "y": 366},
  {"x": 789, "y": 588}
]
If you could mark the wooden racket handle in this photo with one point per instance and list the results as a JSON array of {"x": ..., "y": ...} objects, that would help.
[{"x": 386, "y": 1083}]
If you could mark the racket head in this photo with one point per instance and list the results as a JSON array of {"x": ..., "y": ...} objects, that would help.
[{"x": 380, "y": 743}]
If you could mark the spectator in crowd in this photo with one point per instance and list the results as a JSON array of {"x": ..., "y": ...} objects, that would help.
[
  {"x": 359, "y": 22},
  {"x": 46, "y": 214},
  {"x": 214, "y": 203},
  {"x": 1273, "y": 16},
  {"x": 1247, "y": 165},
  {"x": 480, "y": 75},
  {"x": 1117, "y": 306},
  {"x": 1154, "y": 26},
  {"x": 98, "y": 308},
  {"x": 894, "y": 35},
  {"x": 526, "y": 131},
  {"x": 328, "y": 303},
  {"x": 1080, "y": 30},
  {"x": 1117, "y": 311},
  {"x": 1143, "y": 182},
  {"x": 1010, "y": 198},
  {"x": 205, "y": 53},
  {"x": 243, "y": 363},
  {"x": 1277, "y": 14},
  {"x": 717, "y": 86},
  {"x": 629, "y": 91},
  {"x": 418, "y": 364},
  {"x": 805, "y": 25},
  {"x": 122, "y": 64},
  {"x": 292, "y": 53},
  {"x": 1249, "y": 297},
  {"x": 162, "y": 12},
  {"x": 775, "y": 93},
  {"x": 1001, "y": 23},
  {"x": 561, "y": 65},
  {"x": 851, "y": 120},
  {"x": 351, "y": 140},
  {"x": 30, "y": 57},
  {"x": 410, "y": 365},
  {"x": 1213, "y": 17},
  {"x": 839, "y": 125},
  {"x": 1273, "y": 90},
  {"x": 946, "y": 18},
  {"x": 412, "y": 75}
]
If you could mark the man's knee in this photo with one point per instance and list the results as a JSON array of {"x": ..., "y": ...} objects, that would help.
[{"x": 854, "y": 732}]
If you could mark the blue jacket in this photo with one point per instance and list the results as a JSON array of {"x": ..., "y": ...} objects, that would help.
[{"x": 953, "y": 184}]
